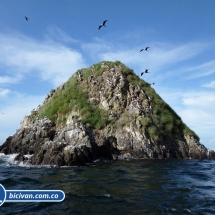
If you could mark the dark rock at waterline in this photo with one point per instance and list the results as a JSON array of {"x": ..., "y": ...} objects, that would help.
[{"x": 134, "y": 122}]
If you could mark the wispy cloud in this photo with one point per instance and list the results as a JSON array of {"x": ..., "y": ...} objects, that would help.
[
  {"x": 6, "y": 79},
  {"x": 167, "y": 64},
  {"x": 15, "y": 107},
  {"x": 4, "y": 92},
  {"x": 51, "y": 61},
  {"x": 166, "y": 61},
  {"x": 198, "y": 71},
  {"x": 209, "y": 85},
  {"x": 202, "y": 99},
  {"x": 56, "y": 34},
  {"x": 159, "y": 56},
  {"x": 54, "y": 61},
  {"x": 196, "y": 109}
]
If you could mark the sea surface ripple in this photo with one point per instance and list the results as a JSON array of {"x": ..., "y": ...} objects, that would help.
[{"x": 119, "y": 187}]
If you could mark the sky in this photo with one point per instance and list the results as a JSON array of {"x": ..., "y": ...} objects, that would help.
[{"x": 61, "y": 37}]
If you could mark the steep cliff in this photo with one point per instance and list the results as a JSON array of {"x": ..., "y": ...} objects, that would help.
[{"x": 103, "y": 112}]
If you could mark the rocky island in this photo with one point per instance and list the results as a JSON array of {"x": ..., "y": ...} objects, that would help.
[{"x": 103, "y": 112}]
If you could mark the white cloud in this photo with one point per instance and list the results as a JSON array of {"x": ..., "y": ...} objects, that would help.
[
  {"x": 20, "y": 56},
  {"x": 166, "y": 61},
  {"x": 56, "y": 34},
  {"x": 199, "y": 111},
  {"x": 199, "y": 71},
  {"x": 203, "y": 100},
  {"x": 196, "y": 109},
  {"x": 55, "y": 62},
  {"x": 202, "y": 122},
  {"x": 95, "y": 48},
  {"x": 52, "y": 61},
  {"x": 209, "y": 85},
  {"x": 4, "y": 92},
  {"x": 9, "y": 79},
  {"x": 159, "y": 56},
  {"x": 14, "y": 109}
]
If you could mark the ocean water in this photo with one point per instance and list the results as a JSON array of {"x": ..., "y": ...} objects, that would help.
[{"x": 119, "y": 187}]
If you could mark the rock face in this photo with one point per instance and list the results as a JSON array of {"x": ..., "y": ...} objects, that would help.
[{"x": 137, "y": 123}]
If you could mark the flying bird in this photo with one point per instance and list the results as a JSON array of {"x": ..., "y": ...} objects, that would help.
[
  {"x": 103, "y": 24},
  {"x": 146, "y": 71},
  {"x": 145, "y": 49},
  {"x": 26, "y": 18},
  {"x": 151, "y": 83},
  {"x": 142, "y": 73}
]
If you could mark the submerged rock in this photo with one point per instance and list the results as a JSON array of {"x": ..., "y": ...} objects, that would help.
[{"x": 101, "y": 114}]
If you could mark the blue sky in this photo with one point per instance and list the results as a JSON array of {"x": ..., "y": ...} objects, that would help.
[{"x": 62, "y": 36}]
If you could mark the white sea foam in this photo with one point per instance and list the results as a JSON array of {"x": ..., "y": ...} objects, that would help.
[
  {"x": 28, "y": 156},
  {"x": 24, "y": 164},
  {"x": 98, "y": 160},
  {"x": 186, "y": 209},
  {"x": 108, "y": 195},
  {"x": 173, "y": 209},
  {"x": 8, "y": 159}
]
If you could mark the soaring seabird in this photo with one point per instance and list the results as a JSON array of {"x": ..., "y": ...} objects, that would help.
[
  {"x": 26, "y": 18},
  {"x": 146, "y": 71},
  {"x": 142, "y": 73},
  {"x": 103, "y": 24},
  {"x": 145, "y": 49}
]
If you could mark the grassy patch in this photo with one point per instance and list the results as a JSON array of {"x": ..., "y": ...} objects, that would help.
[{"x": 73, "y": 96}]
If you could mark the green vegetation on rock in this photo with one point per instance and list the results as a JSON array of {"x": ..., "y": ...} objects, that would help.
[{"x": 74, "y": 96}]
